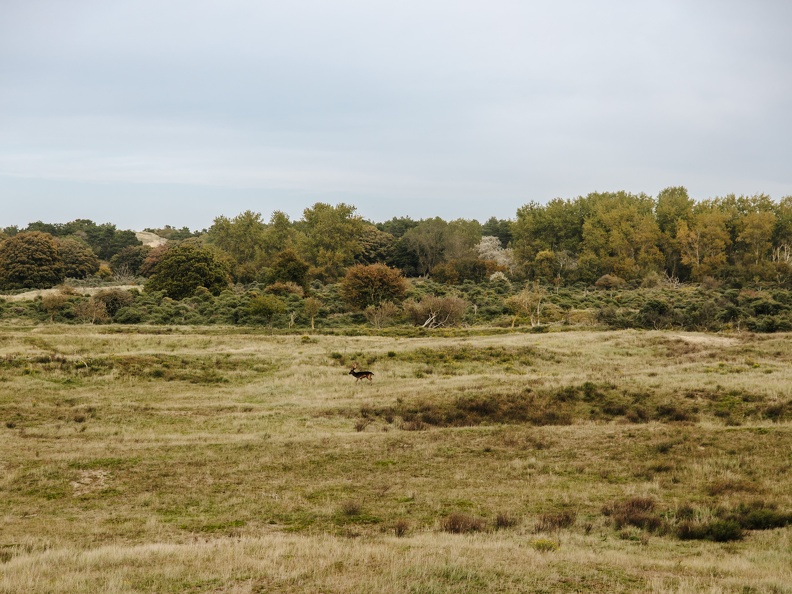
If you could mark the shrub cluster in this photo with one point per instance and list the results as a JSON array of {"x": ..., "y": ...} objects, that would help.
[
  {"x": 688, "y": 523},
  {"x": 568, "y": 404},
  {"x": 758, "y": 311},
  {"x": 428, "y": 305}
]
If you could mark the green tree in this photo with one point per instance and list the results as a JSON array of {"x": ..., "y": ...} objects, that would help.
[
  {"x": 404, "y": 258},
  {"x": 703, "y": 243},
  {"x": 311, "y": 308},
  {"x": 79, "y": 260},
  {"x": 56, "y": 230},
  {"x": 782, "y": 240},
  {"x": 129, "y": 260},
  {"x": 185, "y": 267},
  {"x": 105, "y": 239},
  {"x": 288, "y": 267},
  {"x": 242, "y": 238},
  {"x": 555, "y": 227},
  {"x": 620, "y": 233},
  {"x": 500, "y": 228},
  {"x": 280, "y": 235},
  {"x": 264, "y": 308},
  {"x": 375, "y": 246},
  {"x": 461, "y": 238},
  {"x": 734, "y": 208},
  {"x": 458, "y": 271},
  {"x": 545, "y": 266},
  {"x": 113, "y": 241},
  {"x": 427, "y": 241},
  {"x": 30, "y": 260},
  {"x": 331, "y": 238},
  {"x": 9, "y": 231},
  {"x": 365, "y": 285},
  {"x": 673, "y": 205},
  {"x": 397, "y": 226},
  {"x": 756, "y": 235}
]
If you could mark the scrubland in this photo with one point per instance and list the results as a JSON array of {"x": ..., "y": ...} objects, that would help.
[{"x": 215, "y": 459}]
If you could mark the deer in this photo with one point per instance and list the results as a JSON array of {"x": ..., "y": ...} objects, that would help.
[{"x": 359, "y": 375}]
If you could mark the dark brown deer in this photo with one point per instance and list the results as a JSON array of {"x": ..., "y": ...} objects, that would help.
[{"x": 359, "y": 375}]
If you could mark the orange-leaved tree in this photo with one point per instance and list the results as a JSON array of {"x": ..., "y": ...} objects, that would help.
[{"x": 371, "y": 285}]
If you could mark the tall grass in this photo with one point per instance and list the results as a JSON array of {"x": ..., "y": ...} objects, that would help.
[{"x": 189, "y": 459}]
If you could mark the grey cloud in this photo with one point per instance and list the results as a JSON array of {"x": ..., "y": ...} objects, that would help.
[{"x": 422, "y": 108}]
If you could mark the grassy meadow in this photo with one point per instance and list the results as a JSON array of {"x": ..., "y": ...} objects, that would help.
[{"x": 189, "y": 459}]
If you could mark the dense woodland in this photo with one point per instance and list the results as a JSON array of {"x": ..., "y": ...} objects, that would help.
[{"x": 614, "y": 259}]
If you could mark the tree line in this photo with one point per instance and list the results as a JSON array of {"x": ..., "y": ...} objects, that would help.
[
  {"x": 614, "y": 259},
  {"x": 627, "y": 237}
]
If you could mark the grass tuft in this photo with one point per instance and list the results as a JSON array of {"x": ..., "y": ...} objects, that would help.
[
  {"x": 505, "y": 520},
  {"x": 715, "y": 530},
  {"x": 401, "y": 527},
  {"x": 351, "y": 507},
  {"x": 635, "y": 511},
  {"x": 758, "y": 515},
  {"x": 545, "y": 545},
  {"x": 462, "y": 523},
  {"x": 555, "y": 521}
]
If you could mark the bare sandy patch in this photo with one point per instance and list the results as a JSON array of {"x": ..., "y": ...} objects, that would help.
[
  {"x": 30, "y": 295},
  {"x": 90, "y": 481},
  {"x": 705, "y": 340},
  {"x": 150, "y": 239}
]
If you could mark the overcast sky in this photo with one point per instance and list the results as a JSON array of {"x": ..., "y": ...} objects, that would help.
[{"x": 151, "y": 112}]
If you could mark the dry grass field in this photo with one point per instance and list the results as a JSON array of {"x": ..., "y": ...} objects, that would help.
[{"x": 169, "y": 459}]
